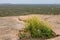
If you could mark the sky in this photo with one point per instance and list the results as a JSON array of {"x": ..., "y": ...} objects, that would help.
[{"x": 30, "y": 1}]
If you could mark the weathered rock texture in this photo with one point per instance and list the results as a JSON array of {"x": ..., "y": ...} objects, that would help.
[{"x": 10, "y": 26}]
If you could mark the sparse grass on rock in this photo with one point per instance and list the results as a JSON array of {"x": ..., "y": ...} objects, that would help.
[{"x": 37, "y": 29}]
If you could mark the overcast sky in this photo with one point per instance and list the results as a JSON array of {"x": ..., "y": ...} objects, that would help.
[{"x": 30, "y": 1}]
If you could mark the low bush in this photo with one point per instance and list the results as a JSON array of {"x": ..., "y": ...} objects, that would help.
[{"x": 38, "y": 29}]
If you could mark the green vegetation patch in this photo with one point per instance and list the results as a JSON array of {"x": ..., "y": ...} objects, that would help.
[{"x": 38, "y": 29}]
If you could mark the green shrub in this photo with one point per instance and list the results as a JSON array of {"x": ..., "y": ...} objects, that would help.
[
  {"x": 21, "y": 35},
  {"x": 38, "y": 28}
]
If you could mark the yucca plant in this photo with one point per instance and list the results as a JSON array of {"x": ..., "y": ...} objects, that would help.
[{"x": 38, "y": 28}]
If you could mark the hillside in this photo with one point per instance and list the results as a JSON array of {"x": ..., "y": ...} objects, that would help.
[{"x": 10, "y": 26}]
